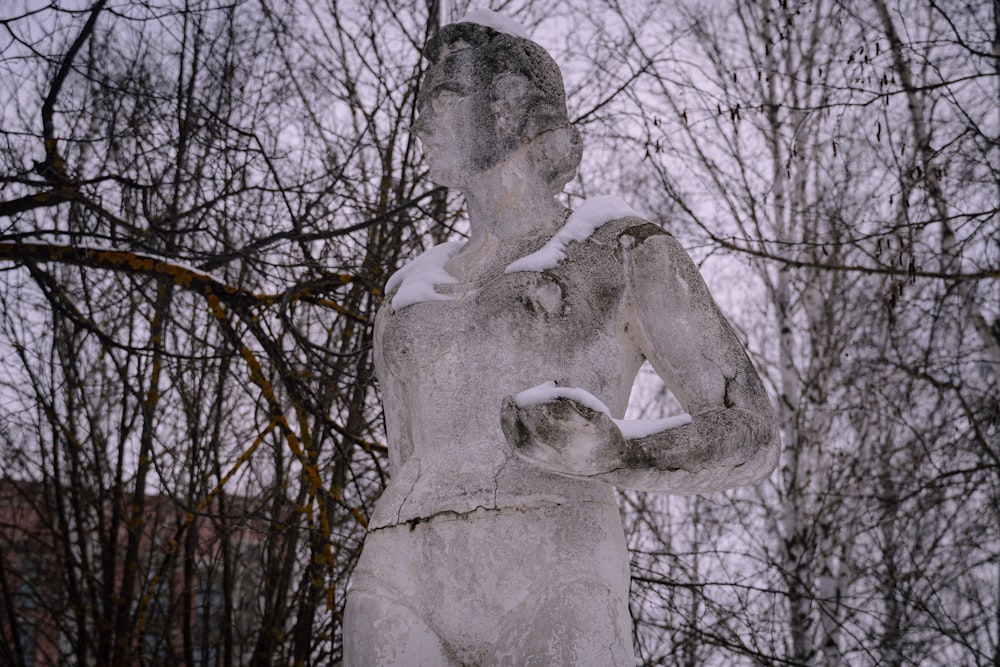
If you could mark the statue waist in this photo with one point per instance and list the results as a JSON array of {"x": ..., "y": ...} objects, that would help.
[{"x": 422, "y": 490}]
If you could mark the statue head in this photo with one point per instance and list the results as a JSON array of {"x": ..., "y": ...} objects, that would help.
[{"x": 488, "y": 95}]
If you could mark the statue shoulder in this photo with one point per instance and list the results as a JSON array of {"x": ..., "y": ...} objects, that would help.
[
  {"x": 639, "y": 240},
  {"x": 655, "y": 261},
  {"x": 645, "y": 241},
  {"x": 627, "y": 231}
]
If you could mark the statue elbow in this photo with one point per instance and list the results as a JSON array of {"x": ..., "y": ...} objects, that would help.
[{"x": 766, "y": 443}]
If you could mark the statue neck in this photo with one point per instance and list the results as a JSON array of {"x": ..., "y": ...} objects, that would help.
[{"x": 511, "y": 203}]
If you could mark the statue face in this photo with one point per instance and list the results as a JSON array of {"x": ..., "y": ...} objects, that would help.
[
  {"x": 479, "y": 104},
  {"x": 457, "y": 126}
]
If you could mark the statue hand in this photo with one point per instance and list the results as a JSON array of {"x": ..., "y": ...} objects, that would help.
[{"x": 563, "y": 436}]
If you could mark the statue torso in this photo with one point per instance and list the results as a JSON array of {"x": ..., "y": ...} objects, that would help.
[{"x": 447, "y": 365}]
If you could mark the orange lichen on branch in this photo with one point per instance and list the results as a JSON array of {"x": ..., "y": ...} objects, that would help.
[
  {"x": 178, "y": 274},
  {"x": 356, "y": 511},
  {"x": 260, "y": 379}
]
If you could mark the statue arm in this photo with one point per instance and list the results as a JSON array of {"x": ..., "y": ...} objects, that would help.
[
  {"x": 732, "y": 438},
  {"x": 673, "y": 321}
]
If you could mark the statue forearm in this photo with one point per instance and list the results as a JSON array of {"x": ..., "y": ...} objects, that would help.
[
  {"x": 714, "y": 450},
  {"x": 719, "y": 449}
]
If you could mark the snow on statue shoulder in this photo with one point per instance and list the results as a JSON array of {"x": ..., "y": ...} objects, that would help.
[{"x": 588, "y": 217}]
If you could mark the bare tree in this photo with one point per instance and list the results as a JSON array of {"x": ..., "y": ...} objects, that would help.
[
  {"x": 201, "y": 202},
  {"x": 784, "y": 135}
]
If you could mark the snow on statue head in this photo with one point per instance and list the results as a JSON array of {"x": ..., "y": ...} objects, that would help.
[{"x": 488, "y": 95}]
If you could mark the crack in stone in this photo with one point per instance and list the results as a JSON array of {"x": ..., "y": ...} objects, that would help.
[
  {"x": 455, "y": 515},
  {"x": 406, "y": 496},
  {"x": 728, "y": 400},
  {"x": 496, "y": 476}
]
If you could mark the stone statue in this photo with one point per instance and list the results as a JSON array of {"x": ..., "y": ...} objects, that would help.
[{"x": 501, "y": 361}]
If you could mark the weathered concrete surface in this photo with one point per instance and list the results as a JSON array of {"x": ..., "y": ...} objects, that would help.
[{"x": 498, "y": 540}]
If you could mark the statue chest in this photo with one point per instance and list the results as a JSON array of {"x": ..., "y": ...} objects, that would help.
[{"x": 510, "y": 326}]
